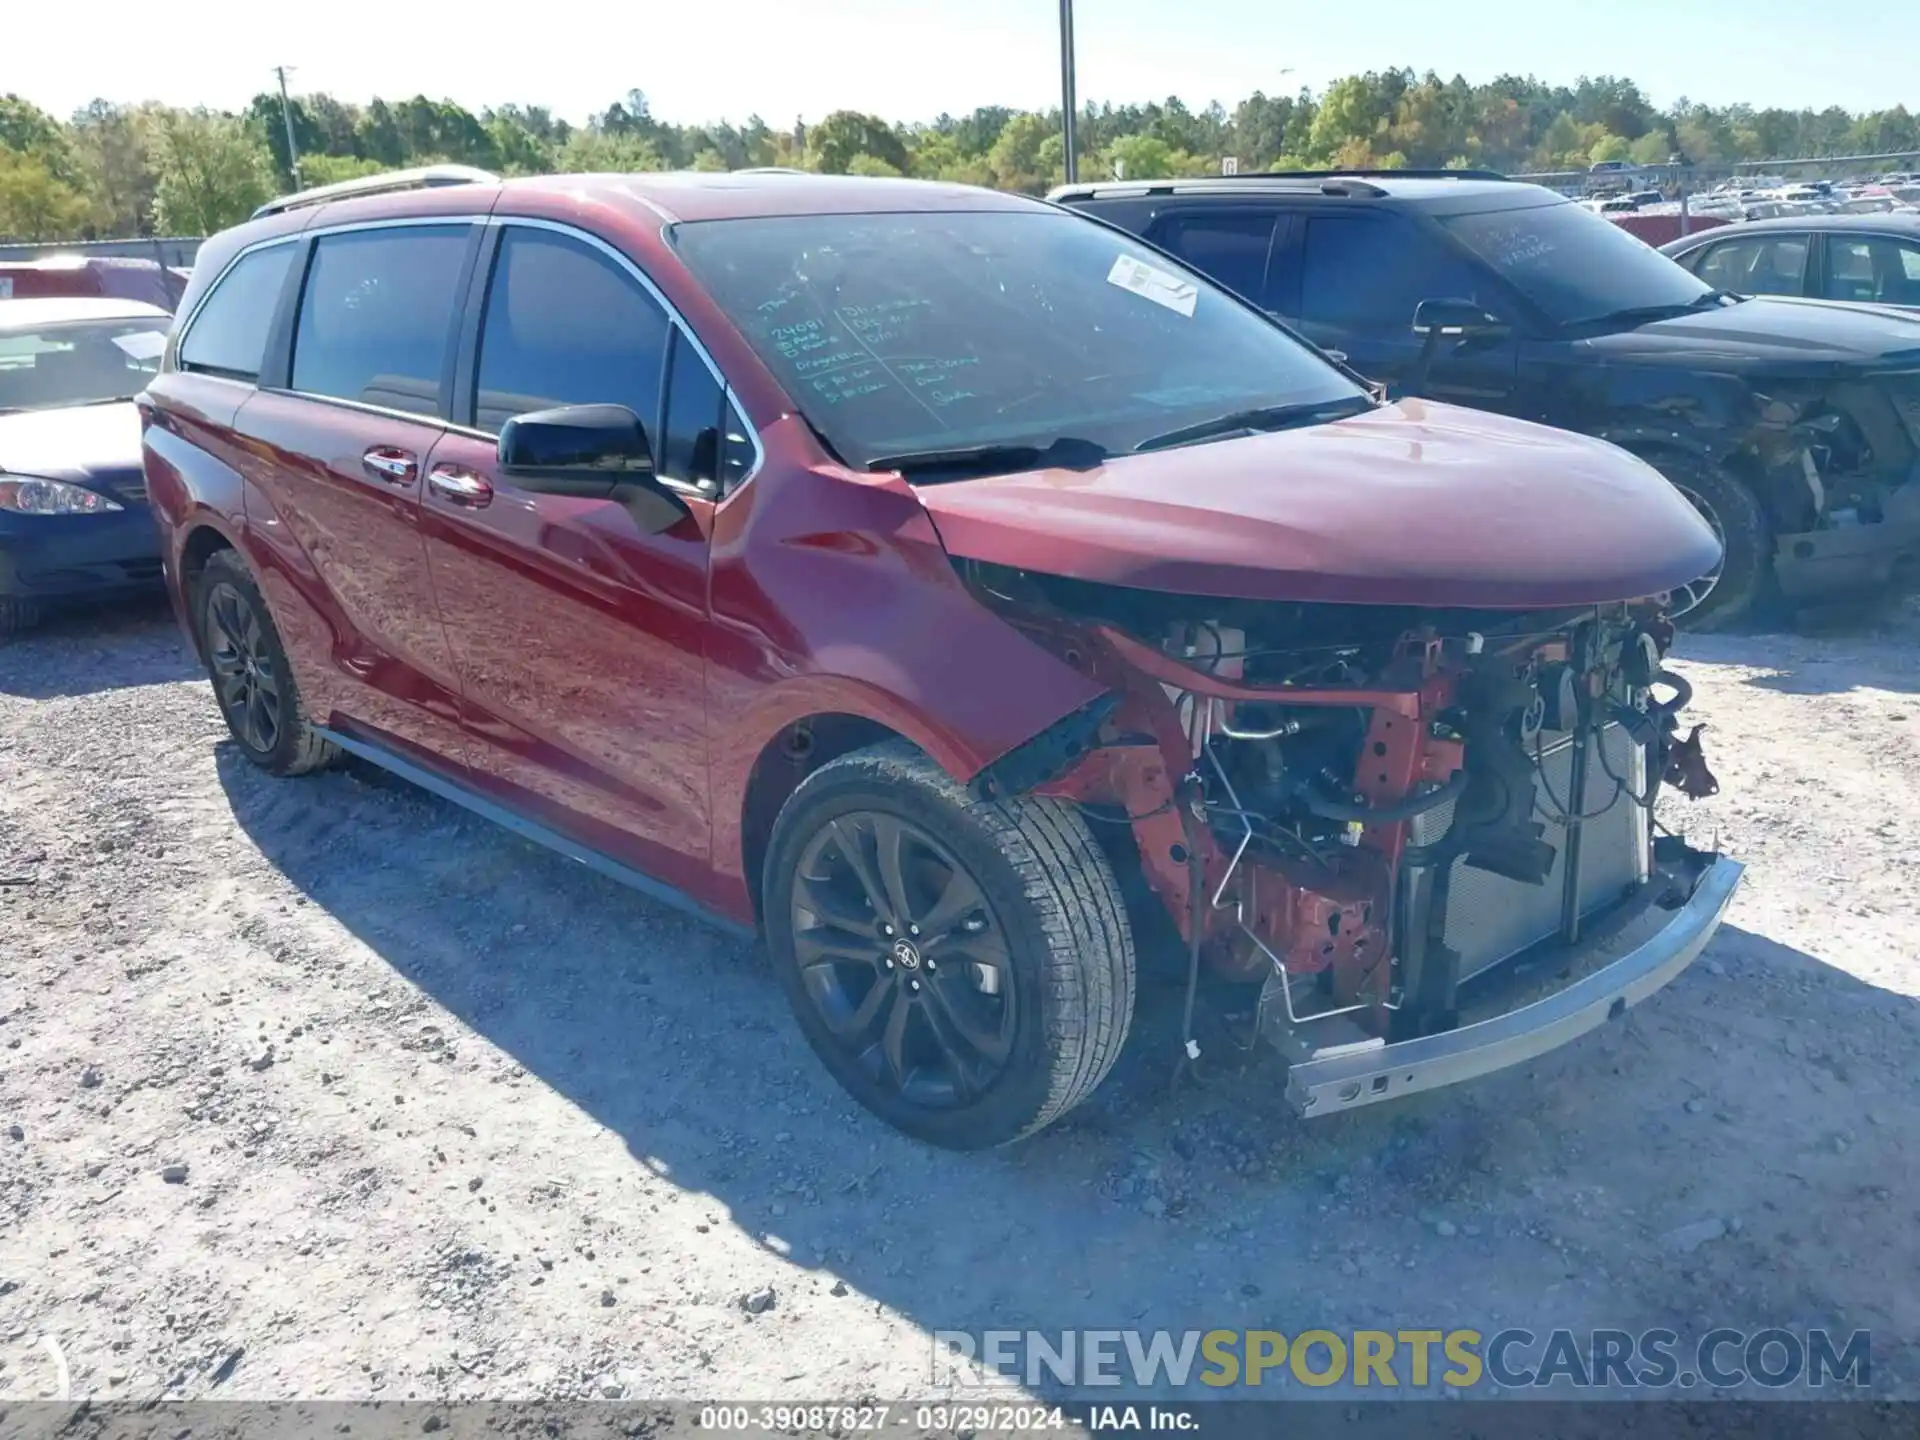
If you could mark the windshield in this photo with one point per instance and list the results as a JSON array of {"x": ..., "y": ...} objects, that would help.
[
  {"x": 928, "y": 333},
  {"x": 1575, "y": 265},
  {"x": 78, "y": 362}
]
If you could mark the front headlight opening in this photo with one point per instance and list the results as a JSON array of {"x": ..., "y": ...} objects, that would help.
[{"x": 24, "y": 495}]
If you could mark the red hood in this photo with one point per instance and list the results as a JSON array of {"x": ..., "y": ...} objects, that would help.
[{"x": 1411, "y": 504}]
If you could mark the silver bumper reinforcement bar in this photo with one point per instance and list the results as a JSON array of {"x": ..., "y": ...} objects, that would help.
[{"x": 1359, "y": 1076}]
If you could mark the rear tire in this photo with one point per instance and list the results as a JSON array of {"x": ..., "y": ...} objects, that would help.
[
  {"x": 17, "y": 616},
  {"x": 1025, "y": 947},
  {"x": 252, "y": 681},
  {"x": 1746, "y": 569}
]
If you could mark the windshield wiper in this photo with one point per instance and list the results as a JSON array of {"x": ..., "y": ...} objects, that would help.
[
  {"x": 1068, "y": 452},
  {"x": 1261, "y": 418},
  {"x": 1647, "y": 314}
]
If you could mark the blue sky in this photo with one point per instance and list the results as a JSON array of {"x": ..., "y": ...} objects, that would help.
[{"x": 912, "y": 59}]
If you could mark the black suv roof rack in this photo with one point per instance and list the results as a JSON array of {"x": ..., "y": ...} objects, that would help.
[
  {"x": 1366, "y": 175},
  {"x": 1331, "y": 182},
  {"x": 424, "y": 177}
]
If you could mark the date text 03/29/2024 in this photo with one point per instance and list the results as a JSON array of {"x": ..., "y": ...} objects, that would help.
[{"x": 934, "y": 1419}]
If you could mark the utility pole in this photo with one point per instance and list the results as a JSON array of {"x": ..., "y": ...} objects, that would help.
[
  {"x": 1067, "y": 103},
  {"x": 286, "y": 114}
]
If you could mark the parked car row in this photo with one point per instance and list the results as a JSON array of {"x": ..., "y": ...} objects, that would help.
[
  {"x": 977, "y": 600},
  {"x": 1794, "y": 428},
  {"x": 73, "y": 514}
]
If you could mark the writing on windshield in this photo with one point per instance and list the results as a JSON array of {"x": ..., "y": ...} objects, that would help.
[
  {"x": 1574, "y": 264},
  {"x": 906, "y": 332}
]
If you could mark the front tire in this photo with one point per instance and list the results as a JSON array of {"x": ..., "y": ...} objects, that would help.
[
  {"x": 252, "y": 680},
  {"x": 1730, "y": 592},
  {"x": 963, "y": 967}
]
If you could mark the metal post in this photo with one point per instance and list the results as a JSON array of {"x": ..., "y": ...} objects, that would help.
[
  {"x": 1067, "y": 103},
  {"x": 286, "y": 115}
]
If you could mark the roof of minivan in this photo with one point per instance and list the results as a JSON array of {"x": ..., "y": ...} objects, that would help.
[
  {"x": 54, "y": 310},
  {"x": 722, "y": 195}
]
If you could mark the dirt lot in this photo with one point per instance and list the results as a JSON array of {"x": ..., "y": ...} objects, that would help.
[{"x": 454, "y": 1117}]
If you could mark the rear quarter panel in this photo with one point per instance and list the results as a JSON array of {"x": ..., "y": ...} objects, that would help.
[{"x": 192, "y": 468}]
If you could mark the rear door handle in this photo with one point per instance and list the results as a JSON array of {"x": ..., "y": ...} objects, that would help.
[
  {"x": 459, "y": 486},
  {"x": 391, "y": 464}
]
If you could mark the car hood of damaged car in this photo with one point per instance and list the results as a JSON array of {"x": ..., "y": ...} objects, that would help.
[{"x": 1413, "y": 503}]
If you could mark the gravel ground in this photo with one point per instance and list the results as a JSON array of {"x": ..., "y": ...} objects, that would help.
[{"x": 324, "y": 1088}]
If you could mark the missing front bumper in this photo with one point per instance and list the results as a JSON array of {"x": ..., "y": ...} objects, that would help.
[{"x": 1366, "y": 1075}]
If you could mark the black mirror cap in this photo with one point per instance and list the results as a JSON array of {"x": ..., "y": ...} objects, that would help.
[
  {"x": 604, "y": 440},
  {"x": 1454, "y": 318}
]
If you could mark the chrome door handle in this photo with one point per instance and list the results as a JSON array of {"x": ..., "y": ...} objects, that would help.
[
  {"x": 459, "y": 486},
  {"x": 391, "y": 464}
]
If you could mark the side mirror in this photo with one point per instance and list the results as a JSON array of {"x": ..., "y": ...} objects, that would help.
[
  {"x": 1454, "y": 319},
  {"x": 596, "y": 452},
  {"x": 1438, "y": 321},
  {"x": 597, "y": 443}
]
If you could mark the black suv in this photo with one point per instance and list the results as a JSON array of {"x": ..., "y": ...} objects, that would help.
[{"x": 1793, "y": 425}]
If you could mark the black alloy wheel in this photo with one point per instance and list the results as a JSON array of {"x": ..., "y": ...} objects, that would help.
[
  {"x": 963, "y": 967},
  {"x": 252, "y": 680},
  {"x": 246, "y": 678},
  {"x": 903, "y": 958}
]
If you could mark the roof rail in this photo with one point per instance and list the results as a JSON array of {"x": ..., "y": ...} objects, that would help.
[
  {"x": 425, "y": 177},
  {"x": 1366, "y": 175},
  {"x": 771, "y": 170},
  {"x": 1330, "y": 184}
]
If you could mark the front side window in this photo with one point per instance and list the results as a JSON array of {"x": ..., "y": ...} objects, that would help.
[
  {"x": 566, "y": 325},
  {"x": 1230, "y": 247},
  {"x": 1757, "y": 265},
  {"x": 228, "y": 335},
  {"x": 689, "y": 445},
  {"x": 1372, "y": 272},
  {"x": 901, "y": 334},
  {"x": 78, "y": 362},
  {"x": 1577, "y": 267},
  {"x": 376, "y": 318}
]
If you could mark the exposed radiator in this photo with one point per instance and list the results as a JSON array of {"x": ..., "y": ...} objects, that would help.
[{"x": 1490, "y": 917}]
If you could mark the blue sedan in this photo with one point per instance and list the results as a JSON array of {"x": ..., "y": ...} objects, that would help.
[{"x": 74, "y": 522}]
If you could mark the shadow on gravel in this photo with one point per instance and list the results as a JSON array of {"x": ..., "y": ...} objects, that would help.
[
  {"x": 85, "y": 650},
  {"x": 1764, "y": 1096},
  {"x": 1837, "y": 651}
]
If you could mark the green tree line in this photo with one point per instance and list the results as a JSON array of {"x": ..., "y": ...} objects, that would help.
[{"x": 124, "y": 170}]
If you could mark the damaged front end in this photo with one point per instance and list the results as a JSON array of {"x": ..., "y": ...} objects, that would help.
[
  {"x": 1839, "y": 463},
  {"x": 1427, "y": 836}
]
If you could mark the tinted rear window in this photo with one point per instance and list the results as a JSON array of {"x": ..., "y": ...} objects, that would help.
[
  {"x": 229, "y": 332},
  {"x": 377, "y": 316}
]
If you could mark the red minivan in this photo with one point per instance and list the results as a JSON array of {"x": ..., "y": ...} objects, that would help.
[
  {"x": 105, "y": 277},
  {"x": 958, "y": 593}
]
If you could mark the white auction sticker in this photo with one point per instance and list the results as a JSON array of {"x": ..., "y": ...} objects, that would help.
[
  {"x": 143, "y": 344},
  {"x": 1177, "y": 295}
]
